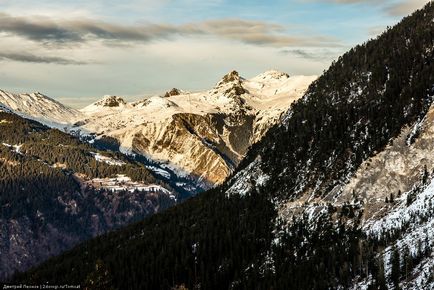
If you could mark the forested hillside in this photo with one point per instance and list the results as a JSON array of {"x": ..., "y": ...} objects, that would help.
[
  {"x": 282, "y": 220},
  {"x": 49, "y": 199}
]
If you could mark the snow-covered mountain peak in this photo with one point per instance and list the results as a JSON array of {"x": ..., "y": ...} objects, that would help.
[
  {"x": 110, "y": 101},
  {"x": 231, "y": 77},
  {"x": 173, "y": 92},
  {"x": 156, "y": 102},
  {"x": 39, "y": 107},
  {"x": 107, "y": 102},
  {"x": 271, "y": 75}
]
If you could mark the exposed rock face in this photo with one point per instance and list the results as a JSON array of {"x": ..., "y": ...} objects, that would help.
[
  {"x": 107, "y": 103},
  {"x": 111, "y": 101},
  {"x": 233, "y": 76},
  {"x": 396, "y": 169},
  {"x": 172, "y": 92},
  {"x": 209, "y": 145}
]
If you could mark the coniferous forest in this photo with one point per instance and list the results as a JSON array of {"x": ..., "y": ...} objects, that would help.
[{"x": 44, "y": 197}]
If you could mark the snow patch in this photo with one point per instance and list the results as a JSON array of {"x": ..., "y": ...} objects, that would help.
[
  {"x": 249, "y": 179},
  {"x": 159, "y": 171},
  {"x": 108, "y": 160},
  {"x": 124, "y": 183}
]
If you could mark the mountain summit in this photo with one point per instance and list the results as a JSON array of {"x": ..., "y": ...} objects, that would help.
[
  {"x": 272, "y": 75},
  {"x": 111, "y": 101},
  {"x": 230, "y": 77},
  {"x": 39, "y": 107},
  {"x": 106, "y": 102}
]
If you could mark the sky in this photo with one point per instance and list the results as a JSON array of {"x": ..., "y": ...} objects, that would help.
[{"x": 78, "y": 51}]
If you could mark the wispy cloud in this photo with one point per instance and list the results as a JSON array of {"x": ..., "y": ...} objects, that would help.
[
  {"x": 28, "y": 57},
  {"x": 320, "y": 55},
  {"x": 405, "y": 7},
  {"x": 55, "y": 31}
]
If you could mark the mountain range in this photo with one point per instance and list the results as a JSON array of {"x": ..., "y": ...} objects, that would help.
[
  {"x": 169, "y": 155},
  {"x": 201, "y": 135},
  {"x": 338, "y": 194}
]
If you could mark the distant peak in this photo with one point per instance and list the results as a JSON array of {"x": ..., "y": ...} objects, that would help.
[
  {"x": 272, "y": 74},
  {"x": 111, "y": 101},
  {"x": 172, "y": 92},
  {"x": 232, "y": 76},
  {"x": 31, "y": 98}
]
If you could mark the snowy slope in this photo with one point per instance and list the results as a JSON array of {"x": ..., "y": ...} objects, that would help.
[
  {"x": 39, "y": 107},
  {"x": 415, "y": 224}
]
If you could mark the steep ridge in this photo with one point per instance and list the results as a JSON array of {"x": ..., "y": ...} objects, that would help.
[
  {"x": 301, "y": 204},
  {"x": 56, "y": 191}
]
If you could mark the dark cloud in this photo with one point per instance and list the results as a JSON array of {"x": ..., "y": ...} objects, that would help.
[
  {"x": 37, "y": 29},
  {"x": 316, "y": 55},
  {"x": 26, "y": 57},
  {"x": 51, "y": 31}
]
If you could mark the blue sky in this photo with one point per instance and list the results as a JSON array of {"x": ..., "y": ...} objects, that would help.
[{"x": 77, "y": 51}]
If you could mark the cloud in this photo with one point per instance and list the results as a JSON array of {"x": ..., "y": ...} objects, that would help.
[
  {"x": 376, "y": 30},
  {"x": 393, "y": 8},
  {"x": 321, "y": 55},
  {"x": 55, "y": 31},
  {"x": 27, "y": 57},
  {"x": 189, "y": 64},
  {"x": 405, "y": 7}
]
